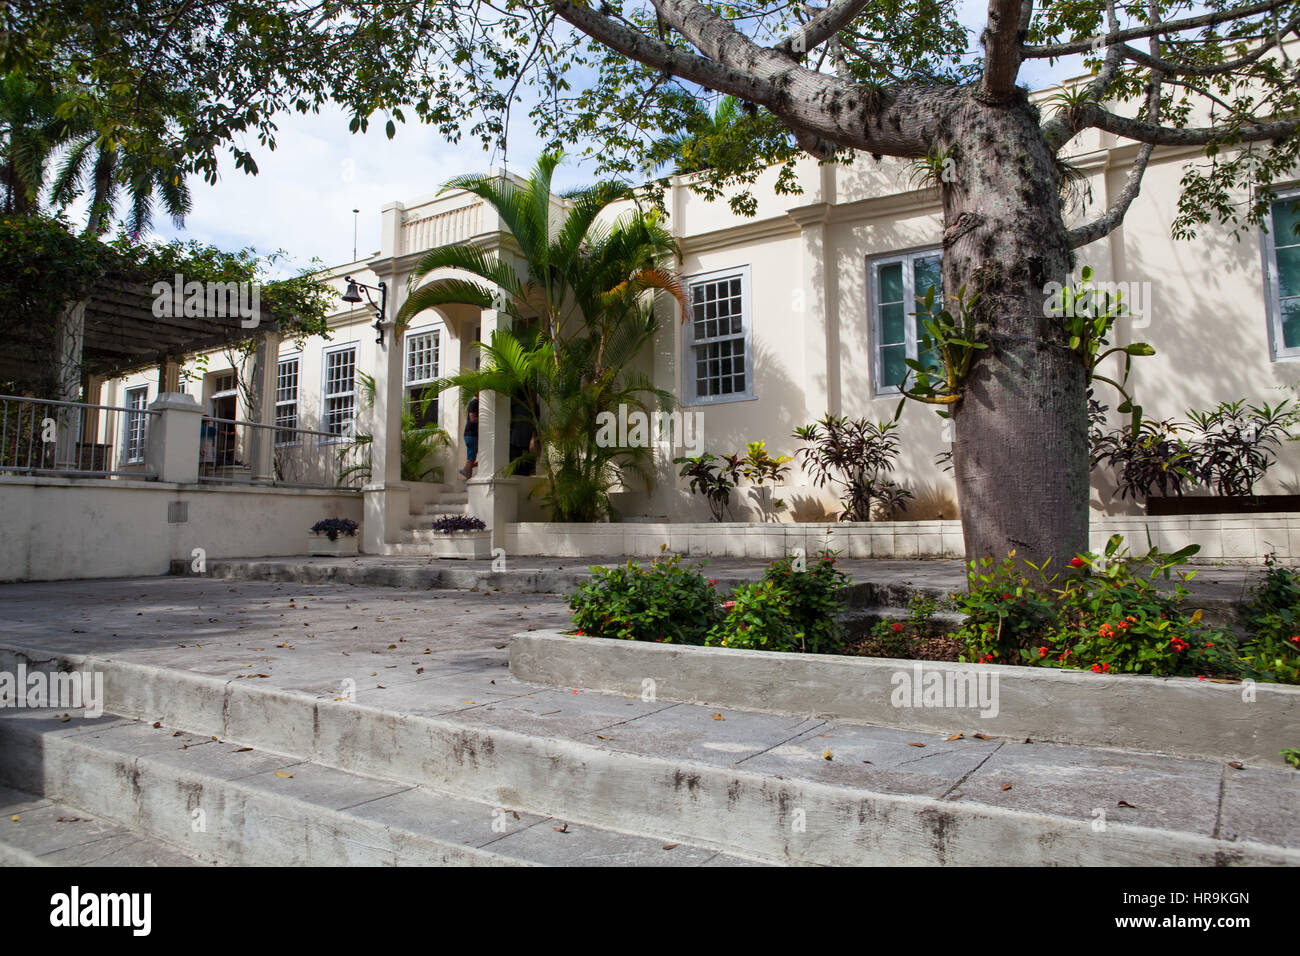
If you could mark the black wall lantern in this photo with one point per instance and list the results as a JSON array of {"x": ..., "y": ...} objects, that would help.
[{"x": 381, "y": 310}]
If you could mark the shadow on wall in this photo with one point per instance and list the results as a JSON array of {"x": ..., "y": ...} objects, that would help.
[
  {"x": 1212, "y": 344},
  {"x": 931, "y": 501}
]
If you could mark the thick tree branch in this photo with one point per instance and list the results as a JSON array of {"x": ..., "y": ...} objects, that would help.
[
  {"x": 1061, "y": 128},
  {"x": 1108, "y": 221},
  {"x": 821, "y": 28},
  {"x": 823, "y": 110},
  {"x": 1152, "y": 29},
  {"x": 1090, "y": 114},
  {"x": 1002, "y": 45},
  {"x": 1174, "y": 68}
]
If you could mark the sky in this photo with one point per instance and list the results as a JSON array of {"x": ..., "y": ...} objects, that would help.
[{"x": 302, "y": 198}]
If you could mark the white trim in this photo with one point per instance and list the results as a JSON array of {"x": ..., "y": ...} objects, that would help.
[
  {"x": 910, "y": 338},
  {"x": 688, "y": 382},
  {"x": 1272, "y": 290}
]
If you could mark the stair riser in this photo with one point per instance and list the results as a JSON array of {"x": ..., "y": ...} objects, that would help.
[
  {"x": 241, "y": 826},
  {"x": 744, "y": 812}
]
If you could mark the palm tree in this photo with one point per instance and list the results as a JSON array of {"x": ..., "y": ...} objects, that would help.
[
  {"x": 691, "y": 149},
  {"x": 114, "y": 169},
  {"x": 580, "y": 316},
  {"x": 34, "y": 135}
]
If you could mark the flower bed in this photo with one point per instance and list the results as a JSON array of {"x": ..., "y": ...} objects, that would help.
[{"x": 1103, "y": 614}]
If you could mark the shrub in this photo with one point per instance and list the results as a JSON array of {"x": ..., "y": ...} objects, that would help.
[
  {"x": 788, "y": 610},
  {"x": 857, "y": 455},
  {"x": 1238, "y": 443},
  {"x": 1114, "y": 618},
  {"x": 662, "y": 602},
  {"x": 1005, "y": 613},
  {"x": 1105, "y": 614},
  {"x": 333, "y": 527},
  {"x": 1154, "y": 459},
  {"x": 448, "y": 524},
  {"x": 758, "y": 619},
  {"x": 1271, "y": 647},
  {"x": 714, "y": 481},
  {"x": 899, "y": 638}
]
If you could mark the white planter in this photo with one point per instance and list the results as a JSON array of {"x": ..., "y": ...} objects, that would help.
[
  {"x": 462, "y": 544},
  {"x": 318, "y": 545}
]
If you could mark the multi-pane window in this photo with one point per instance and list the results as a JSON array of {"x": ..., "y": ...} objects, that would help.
[
  {"x": 286, "y": 399},
  {"x": 1282, "y": 261},
  {"x": 137, "y": 399},
  {"x": 717, "y": 350},
  {"x": 422, "y": 360},
  {"x": 340, "y": 391},
  {"x": 897, "y": 286}
]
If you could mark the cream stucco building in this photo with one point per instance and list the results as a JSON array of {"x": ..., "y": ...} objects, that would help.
[{"x": 813, "y": 289}]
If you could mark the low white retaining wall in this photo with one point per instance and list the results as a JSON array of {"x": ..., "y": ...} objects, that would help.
[
  {"x": 1179, "y": 715},
  {"x": 1231, "y": 539},
  {"x": 57, "y": 528}
]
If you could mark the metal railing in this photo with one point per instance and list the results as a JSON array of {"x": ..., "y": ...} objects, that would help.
[
  {"x": 44, "y": 437},
  {"x": 251, "y": 453}
]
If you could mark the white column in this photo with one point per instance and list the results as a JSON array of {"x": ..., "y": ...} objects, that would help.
[
  {"x": 492, "y": 498},
  {"x": 387, "y": 500},
  {"x": 266, "y": 364},
  {"x": 816, "y": 307},
  {"x": 390, "y": 231},
  {"x": 71, "y": 338}
]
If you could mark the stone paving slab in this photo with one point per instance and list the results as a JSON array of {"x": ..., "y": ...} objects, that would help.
[
  {"x": 46, "y": 833},
  {"x": 359, "y": 633}
]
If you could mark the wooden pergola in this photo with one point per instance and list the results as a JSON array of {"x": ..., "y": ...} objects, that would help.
[
  {"x": 114, "y": 330},
  {"x": 122, "y": 334}
]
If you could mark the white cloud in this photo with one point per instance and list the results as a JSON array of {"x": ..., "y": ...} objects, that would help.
[{"x": 302, "y": 198}]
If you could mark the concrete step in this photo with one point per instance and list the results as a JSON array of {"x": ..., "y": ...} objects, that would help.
[
  {"x": 36, "y": 831},
  {"x": 220, "y": 802},
  {"x": 419, "y": 570},
  {"x": 754, "y": 785},
  {"x": 447, "y": 499}
]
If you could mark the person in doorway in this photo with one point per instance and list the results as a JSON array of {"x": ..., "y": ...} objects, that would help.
[
  {"x": 471, "y": 439},
  {"x": 523, "y": 442}
]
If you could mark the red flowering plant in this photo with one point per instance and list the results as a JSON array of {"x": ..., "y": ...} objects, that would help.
[
  {"x": 789, "y": 609},
  {"x": 1113, "y": 617},
  {"x": 1006, "y": 613},
  {"x": 892, "y": 637},
  {"x": 1271, "y": 621}
]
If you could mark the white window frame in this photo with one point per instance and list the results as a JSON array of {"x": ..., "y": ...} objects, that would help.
[
  {"x": 910, "y": 337},
  {"x": 1272, "y": 287},
  {"x": 407, "y": 382},
  {"x": 133, "y": 418},
  {"x": 690, "y": 389},
  {"x": 295, "y": 402},
  {"x": 326, "y": 394}
]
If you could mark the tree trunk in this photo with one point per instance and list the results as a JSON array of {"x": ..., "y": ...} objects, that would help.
[
  {"x": 100, "y": 200},
  {"x": 1020, "y": 451}
]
